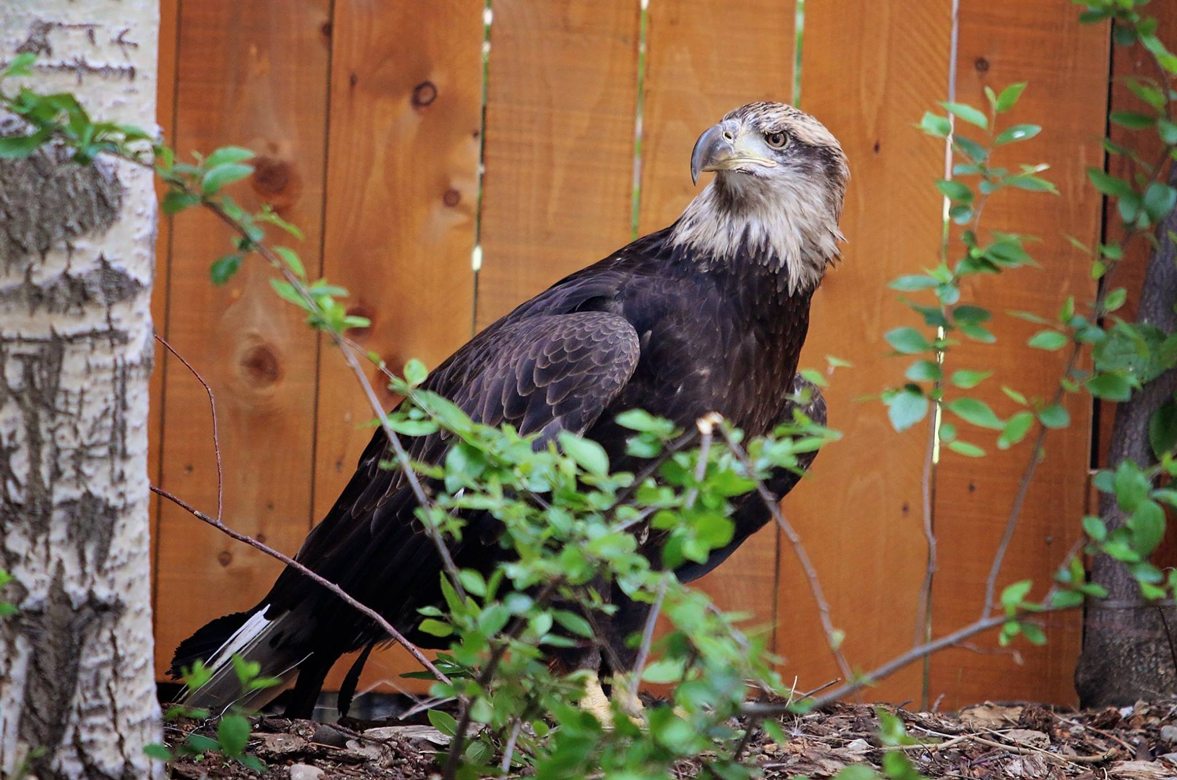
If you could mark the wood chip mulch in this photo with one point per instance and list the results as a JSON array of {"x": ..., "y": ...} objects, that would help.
[{"x": 986, "y": 741}]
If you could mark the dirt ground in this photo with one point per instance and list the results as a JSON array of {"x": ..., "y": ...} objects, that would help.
[{"x": 984, "y": 741}]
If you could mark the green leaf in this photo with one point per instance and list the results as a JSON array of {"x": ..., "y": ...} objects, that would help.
[
  {"x": 1016, "y": 133},
  {"x": 158, "y": 752},
  {"x": 1110, "y": 185},
  {"x": 923, "y": 371},
  {"x": 1031, "y": 183},
  {"x": 1132, "y": 120},
  {"x": 936, "y": 125},
  {"x": 227, "y": 154},
  {"x": 292, "y": 260},
  {"x": 1054, "y": 416},
  {"x": 1095, "y": 528},
  {"x": 202, "y": 744},
  {"x": 1109, "y": 387},
  {"x": 1115, "y": 299},
  {"x": 965, "y": 448},
  {"x": 175, "y": 201},
  {"x": 223, "y": 269},
  {"x": 1016, "y": 428},
  {"x": 415, "y": 372},
  {"x": 589, "y": 455},
  {"x": 1148, "y": 526},
  {"x": 573, "y": 623},
  {"x": 976, "y": 412},
  {"x": 20, "y": 146},
  {"x": 1009, "y": 97},
  {"x": 1048, "y": 339},
  {"x": 1014, "y": 594},
  {"x": 906, "y": 408},
  {"x": 664, "y": 671},
  {"x": 1014, "y": 395},
  {"x": 222, "y": 175},
  {"x": 913, "y": 282},
  {"x": 436, "y": 627},
  {"x": 233, "y": 734},
  {"x": 967, "y": 380},
  {"x": 20, "y": 65},
  {"x": 1131, "y": 486},
  {"x": 443, "y": 722},
  {"x": 969, "y": 114},
  {"x": 955, "y": 191},
  {"x": 907, "y": 341},
  {"x": 1162, "y": 428},
  {"x": 1159, "y": 200}
]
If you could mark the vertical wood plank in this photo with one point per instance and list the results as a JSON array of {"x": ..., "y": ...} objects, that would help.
[
  {"x": 406, "y": 102},
  {"x": 868, "y": 72},
  {"x": 559, "y": 144},
  {"x": 1066, "y": 66},
  {"x": 254, "y": 75},
  {"x": 165, "y": 103},
  {"x": 690, "y": 83}
]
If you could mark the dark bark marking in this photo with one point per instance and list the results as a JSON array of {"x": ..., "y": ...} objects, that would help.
[{"x": 46, "y": 200}]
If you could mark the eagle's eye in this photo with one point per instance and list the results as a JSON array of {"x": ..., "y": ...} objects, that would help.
[{"x": 776, "y": 140}]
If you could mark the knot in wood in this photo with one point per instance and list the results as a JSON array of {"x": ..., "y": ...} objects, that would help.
[
  {"x": 452, "y": 197},
  {"x": 424, "y": 94},
  {"x": 260, "y": 365},
  {"x": 276, "y": 181}
]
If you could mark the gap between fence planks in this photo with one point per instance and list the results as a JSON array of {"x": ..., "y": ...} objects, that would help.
[{"x": 559, "y": 144}]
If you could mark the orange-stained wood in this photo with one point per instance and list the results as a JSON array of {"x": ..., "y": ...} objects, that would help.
[
  {"x": 402, "y": 190},
  {"x": 559, "y": 144},
  {"x": 1066, "y": 66},
  {"x": 690, "y": 83},
  {"x": 165, "y": 112},
  {"x": 868, "y": 72},
  {"x": 254, "y": 75}
]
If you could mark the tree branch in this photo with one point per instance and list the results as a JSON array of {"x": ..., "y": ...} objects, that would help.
[
  {"x": 368, "y": 612},
  {"x": 770, "y": 502}
]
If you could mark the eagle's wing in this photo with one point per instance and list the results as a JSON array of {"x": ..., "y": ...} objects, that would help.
[{"x": 543, "y": 374}]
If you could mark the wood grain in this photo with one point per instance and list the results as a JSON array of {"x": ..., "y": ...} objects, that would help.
[
  {"x": 690, "y": 84},
  {"x": 1066, "y": 66},
  {"x": 254, "y": 75},
  {"x": 559, "y": 144},
  {"x": 868, "y": 72},
  {"x": 402, "y": 193}
]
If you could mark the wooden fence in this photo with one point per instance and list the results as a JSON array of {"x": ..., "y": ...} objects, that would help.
[{"x": 371, "y": 119}]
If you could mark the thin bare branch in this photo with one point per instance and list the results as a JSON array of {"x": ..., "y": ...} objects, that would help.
[
  {"x": 368, "y": 612},
  {"x": 647, "y": 641},
  {"x": 815, "y": 588},
  {"x": 212, "y": 408}
]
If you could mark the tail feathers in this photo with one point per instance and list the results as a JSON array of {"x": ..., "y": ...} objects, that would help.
[{"x": 249, "y": 635}]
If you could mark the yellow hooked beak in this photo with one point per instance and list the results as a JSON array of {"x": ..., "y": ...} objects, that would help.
[{"x": 728, "y": 146}]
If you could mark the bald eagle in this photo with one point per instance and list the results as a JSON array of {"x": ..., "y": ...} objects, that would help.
[{"x": 708, "y": 314}]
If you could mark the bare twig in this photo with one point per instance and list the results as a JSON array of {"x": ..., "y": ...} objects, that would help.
[
  {"x": 647, "y": 641},
  {"x": 815, "y": 588},
  {"x": 212, "y": 408},
  {"x": 509, "y": 749},
  {"x": 923, "y": 624},
  {"x": 368, "y": 612}
]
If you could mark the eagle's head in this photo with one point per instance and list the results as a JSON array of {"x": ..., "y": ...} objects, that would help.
[{"x": 780, "y": 179}]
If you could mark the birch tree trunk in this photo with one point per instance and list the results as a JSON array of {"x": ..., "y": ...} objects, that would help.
[{"x": 76, "y": 678}]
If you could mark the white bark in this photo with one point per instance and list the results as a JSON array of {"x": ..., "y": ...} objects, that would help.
[{"x": 76, "y": 256}]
